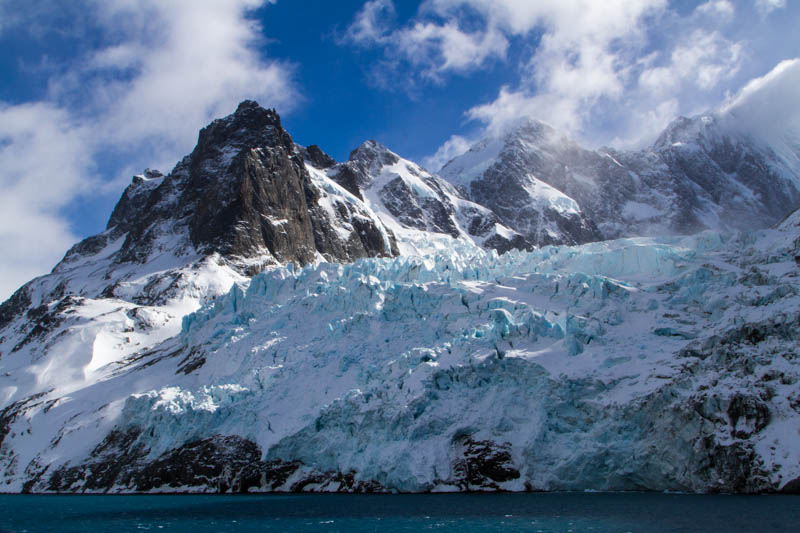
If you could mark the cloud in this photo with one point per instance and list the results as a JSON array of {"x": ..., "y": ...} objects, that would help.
[
  {"x": 162, "y": 71},
  {"x": 181, "y": 81},
  {"x": 371, "y": 24},
  {"x": 429, "y": 48},
  {"x": 454, "y": 146},
  {"x": 44, "y": 164},
  {"x": 583, "y": 54},
  {"x": 767, "y": 6},
  {"x": 717, "y": 8},
  {"x": 574, "y": 90},
  {"x": 705, "y": 60},
  {"x": 595, "y": 63},
  {"x": 769, "y": 106},
  {"x": 606, "y": 72}
]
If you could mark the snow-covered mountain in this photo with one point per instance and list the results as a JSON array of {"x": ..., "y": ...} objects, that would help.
[
  {"x": 701, "y": 173},
  {"x": 423, "y": 211},
  {"x": 264, "y": 318}
]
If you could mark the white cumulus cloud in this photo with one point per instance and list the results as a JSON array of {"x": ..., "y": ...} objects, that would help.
[
  {"x": 43, "y": 164},
  {"x": 718, "y": 8},
  {"x": 769, "y": 106},
  {"x": 432, "y": 47},
  {"x": 611, "y": 72},
  {"x": 454, "y": 146}
]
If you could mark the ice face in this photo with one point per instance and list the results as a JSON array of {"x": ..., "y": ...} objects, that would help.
[{"x": 571, "y": 363}]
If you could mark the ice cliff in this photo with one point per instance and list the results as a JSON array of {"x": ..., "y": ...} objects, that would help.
[{"x": 636, "y": 364}]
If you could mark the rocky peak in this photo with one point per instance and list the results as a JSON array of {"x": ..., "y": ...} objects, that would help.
[
  {"x": 702, "y": 130},
  {"x": 267, "y": 201},
  {"x": 319, "y": 159},
  {"x": 244, "y": 192},
  {"x": 134, "y": 199},
  {"x": 249, "y": 127},
  {"x": 521, "y": 176},
  {"x": 364, "y": 164},
  {"x": 149, "y": 174},
  {"x": 370, "y": 157},
  {"x": 531, "y": 129}
]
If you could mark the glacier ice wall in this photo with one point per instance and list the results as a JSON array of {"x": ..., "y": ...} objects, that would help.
[{"x": 637, "y": 364}]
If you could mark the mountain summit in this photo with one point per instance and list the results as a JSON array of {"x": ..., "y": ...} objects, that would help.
[{"x": 243, "y": 192}]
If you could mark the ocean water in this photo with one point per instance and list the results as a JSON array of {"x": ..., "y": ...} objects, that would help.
[{"x": 464, "y": 513}]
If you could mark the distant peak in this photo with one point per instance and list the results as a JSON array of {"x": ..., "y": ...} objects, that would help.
[
  {"x": 684, "y": 130},
  {"x": 247, "y": 107},
  {"x": 317, "y": 157},
  {"x": 151, "y": 173},
  {"x": 368, "y": 146},
  {"x": 372, "y": 151},
  {"x": 529, "y": 127}
]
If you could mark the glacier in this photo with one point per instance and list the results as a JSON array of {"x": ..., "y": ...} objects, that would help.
[{"x": 636, "y": 364}]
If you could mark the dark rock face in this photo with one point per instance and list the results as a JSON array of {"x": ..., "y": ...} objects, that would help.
[
  {"x": 483, "y": 465},
  {"x": 426, "y": 214},
  {"x": 318, "y": 158},
  {"x": 243, "y": 192},
  {"x": 365, "y": 163},
  {"x": 222, "y": 464},
  {"x": 15, "y": 305},
  {"x": 509, "y": 199},
  {"x": 368, "y": 159},
  {"x": 512, "y": 187},
  {"x": 268, "y": 210},
  {"x": 134, "y": 200},
  {"x": 792, "y": 487},
  {"x": 110, "y": 465},
  {"x": 245, "y": 189},
  {"x": 229, "y": 464},
  {"x": 747, "y": 415},
  {"x": 728, "y": 171},
  {"x": 363, "y": 166},
  {"x": 736, "y": 468}
]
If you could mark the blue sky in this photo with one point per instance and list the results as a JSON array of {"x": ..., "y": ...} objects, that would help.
[{"x": 94, "y": 91}]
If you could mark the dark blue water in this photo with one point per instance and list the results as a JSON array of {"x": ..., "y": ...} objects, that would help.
[{"x": 457, "y": 512}]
